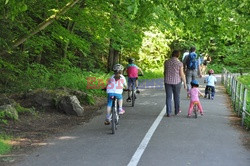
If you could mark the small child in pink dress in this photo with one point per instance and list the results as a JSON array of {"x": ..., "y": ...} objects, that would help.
[{"x": 194, "y": 94}]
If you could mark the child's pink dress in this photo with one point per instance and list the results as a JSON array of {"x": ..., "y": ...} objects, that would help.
[{"x": 194, "y": 97}]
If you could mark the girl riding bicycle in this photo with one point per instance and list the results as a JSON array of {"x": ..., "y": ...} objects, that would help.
[
  {"x": 194, "y": 94},
  {"x": 115, "y": 88}
]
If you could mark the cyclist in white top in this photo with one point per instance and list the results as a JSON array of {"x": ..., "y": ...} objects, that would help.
[
  {"x": 211, "y": 81},
  {"x": 115, "y": 87}
]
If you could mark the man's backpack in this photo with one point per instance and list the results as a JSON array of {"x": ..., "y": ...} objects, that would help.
[{"x": 192, "y": 62}]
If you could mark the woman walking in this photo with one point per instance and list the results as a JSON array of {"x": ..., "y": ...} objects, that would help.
[{"x": 173, "y": 78}]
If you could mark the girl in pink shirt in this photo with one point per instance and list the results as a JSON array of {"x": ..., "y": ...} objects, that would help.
[{"x": 194, "y": 94}]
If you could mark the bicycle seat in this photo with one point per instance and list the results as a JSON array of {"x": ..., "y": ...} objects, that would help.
[{"x": 196, "y": 103}]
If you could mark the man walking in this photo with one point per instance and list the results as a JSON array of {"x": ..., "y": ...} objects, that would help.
[{"x": 192, "y": 67}]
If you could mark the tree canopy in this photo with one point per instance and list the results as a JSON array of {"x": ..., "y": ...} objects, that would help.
[{"x": 94, "y": 34}]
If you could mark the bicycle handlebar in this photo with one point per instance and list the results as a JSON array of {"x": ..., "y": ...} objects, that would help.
[
  {"x": 125, "y": 75},
  {"x": 104, "y": 89}
]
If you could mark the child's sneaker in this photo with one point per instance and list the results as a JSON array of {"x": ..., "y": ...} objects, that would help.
[
  {"x": 121, "y": 111},
  {"x": 202, "y": 114},
  {"x": 107, "y": 120},
  {"x": 188, "y": 116}
]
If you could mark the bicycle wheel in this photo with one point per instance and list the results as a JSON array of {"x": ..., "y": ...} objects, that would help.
[
  {"x": 195, "y": 111},
  {"x": 116, "y": 117},
  {"x": 133, "y": 97},
  {"x": 113, "y": 123},
  {"x": 209, "y": 93}
]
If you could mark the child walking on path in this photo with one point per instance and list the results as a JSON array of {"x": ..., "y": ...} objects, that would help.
[
  {"x": 194, "y": 94},
  {"x": 211, "y": 81}
]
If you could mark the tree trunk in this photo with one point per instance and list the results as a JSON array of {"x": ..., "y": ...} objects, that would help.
[
  {"x": 70, "y": 27},
  {"x": 44, "y": 24},
  {"x": 113, "y": 56},
  {"x": 116, "y": 57},
  {"x": 110, "y": 57}
]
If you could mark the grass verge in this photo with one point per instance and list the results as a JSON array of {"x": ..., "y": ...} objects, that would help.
[{"x": 5, "y": 147}]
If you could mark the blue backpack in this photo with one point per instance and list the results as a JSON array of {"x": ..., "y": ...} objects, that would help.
[{"x": 192, "y": 61}]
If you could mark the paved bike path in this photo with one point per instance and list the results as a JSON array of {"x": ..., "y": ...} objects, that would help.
[
  {"x": 177, "y": 141},
  {"x": 206, "y": 141}
]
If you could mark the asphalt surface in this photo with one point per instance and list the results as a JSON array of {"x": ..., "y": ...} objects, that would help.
[{"x": 209, "y": 140}]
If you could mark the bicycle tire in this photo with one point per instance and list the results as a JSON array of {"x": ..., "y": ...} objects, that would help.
[
  {"x": 116, "y": 117},
  {"x": 113, "y": 121},
  {"x": 133, "y": 97},
  {"x": 195, "y": 111}
]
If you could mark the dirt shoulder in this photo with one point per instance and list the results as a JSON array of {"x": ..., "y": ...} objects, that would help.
[
  {"x": 31, "y": 131},
  {"x": 235, "y": 121}
]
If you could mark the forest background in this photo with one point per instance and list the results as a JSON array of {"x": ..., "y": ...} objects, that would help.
[{"x": 52, "y": 44}]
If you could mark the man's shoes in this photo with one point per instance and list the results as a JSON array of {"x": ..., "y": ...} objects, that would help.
[
  {"x": 137, "y": 91},
  {"x": 205, "y": 96},
  {"x": 129, "y": 99}
]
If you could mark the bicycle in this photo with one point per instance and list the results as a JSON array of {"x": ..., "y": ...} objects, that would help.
[
  {"x": 209, "y": 90},
  {"x": 133, "y": 91},
  {"x": 114, "y": 113}
]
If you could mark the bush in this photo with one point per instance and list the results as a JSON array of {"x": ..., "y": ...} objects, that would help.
[
  {"x": 153, "y": 73},
  {"x": 4, "y": 146}
]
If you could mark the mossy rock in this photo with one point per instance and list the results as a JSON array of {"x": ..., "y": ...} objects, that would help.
[{"x": 8, "y": 112}]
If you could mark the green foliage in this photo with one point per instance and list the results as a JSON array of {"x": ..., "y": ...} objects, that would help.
[
  {"x": 13, "y": 113},
  {"x": 22, "y": 110},
  {"x": 153, "y": 73},
  {"x": 78, "y": 43},
  {"x": 5, "y": 147},
  {"x": 4, "y": 115},
  {"x": 154, "y": 50},
  {"x": 245, "y": 80},
  {"x": 216, "y": 67},
  {"x": 33, "y": 77},
  {"x": 2, "y": 118},
  {"x": 90, "y": 99}
]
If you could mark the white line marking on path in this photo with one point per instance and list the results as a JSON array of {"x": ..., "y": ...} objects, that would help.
[{"x": 144, "y": 143}]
